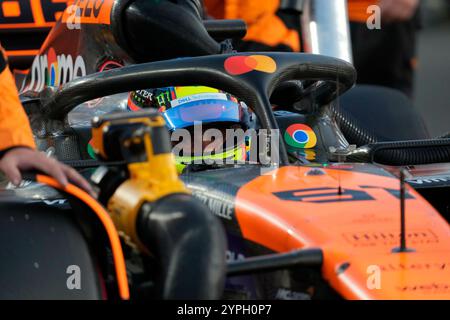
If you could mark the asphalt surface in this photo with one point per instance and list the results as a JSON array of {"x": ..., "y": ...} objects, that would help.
[{"x": 432, "y": 95}]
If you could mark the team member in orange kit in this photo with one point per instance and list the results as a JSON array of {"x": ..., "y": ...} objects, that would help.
[{"x": 384, "y": 57}]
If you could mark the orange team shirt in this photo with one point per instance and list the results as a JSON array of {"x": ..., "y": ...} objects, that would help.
[
  {"x": 264, "y": 26},
  {"x": 357, "y": 9},
  {"x": 15, "y": 128}
]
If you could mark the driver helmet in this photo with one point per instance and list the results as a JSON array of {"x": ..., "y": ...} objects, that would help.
[{"x": 188, "y": 108}]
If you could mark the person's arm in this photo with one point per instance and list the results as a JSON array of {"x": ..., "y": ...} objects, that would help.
[
  {"x": 17, "y": 147},
  {"x": 14, "y": 126}
]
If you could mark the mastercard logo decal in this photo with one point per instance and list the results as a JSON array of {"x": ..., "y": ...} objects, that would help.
[
  {"x": 238, "y": 65},
  {"x": 300, "y": 136}
]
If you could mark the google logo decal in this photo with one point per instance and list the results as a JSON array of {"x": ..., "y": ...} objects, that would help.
[
  {"x": 300, "y": 136},
  {"x": 51, "y": 69}
]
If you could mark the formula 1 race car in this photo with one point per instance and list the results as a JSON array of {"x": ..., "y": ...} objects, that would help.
[{"x": 352, "y": 202}]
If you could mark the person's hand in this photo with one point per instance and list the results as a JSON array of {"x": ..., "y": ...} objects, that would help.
[
  {"x": 18, "y": 159},
  {"x": 398, "y": 10}
]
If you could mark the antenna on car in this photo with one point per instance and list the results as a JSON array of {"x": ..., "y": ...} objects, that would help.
[
  {"x": 403, "y": 247},
  {"x": 339, "y": 191}
]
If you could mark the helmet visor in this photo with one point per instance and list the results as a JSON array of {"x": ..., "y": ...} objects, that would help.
[{"x": 204, "y": 111}]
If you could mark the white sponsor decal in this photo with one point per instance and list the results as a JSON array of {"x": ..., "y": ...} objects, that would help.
[
  {"x": 56, "y": 202},
  {"x": 53, "y": 70},
  {"x": 200, "y": 96},
  {"x": 430, "y": 180}
]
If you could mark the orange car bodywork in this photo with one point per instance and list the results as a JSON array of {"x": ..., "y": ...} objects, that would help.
[
  {"x": 92, "y": 12},
  {"x": 34, "y": 17},
  {"x": 40, "y": 16},
  {"x": 356, "y": 235}
]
